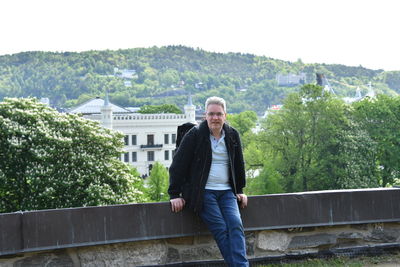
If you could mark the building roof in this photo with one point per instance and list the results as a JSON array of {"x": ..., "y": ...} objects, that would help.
[{"x": 93, "y": 106}]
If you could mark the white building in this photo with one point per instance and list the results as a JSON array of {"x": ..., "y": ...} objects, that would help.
[
  {"x": 148, "y": 137},
  {"x": 290, "y": 79}
]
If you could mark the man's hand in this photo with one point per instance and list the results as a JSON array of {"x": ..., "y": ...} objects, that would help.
[
  {"x": 177, "y": 204},
  {"x": 242, "y": 198}
]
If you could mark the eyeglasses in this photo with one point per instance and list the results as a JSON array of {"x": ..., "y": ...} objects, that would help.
[{"x": 212, "y": 114}]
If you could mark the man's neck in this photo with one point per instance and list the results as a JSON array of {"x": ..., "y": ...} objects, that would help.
[{"x": 217, "y": 133}]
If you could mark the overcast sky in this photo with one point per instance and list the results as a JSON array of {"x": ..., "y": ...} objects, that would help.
[{"x": 349, "y": 32}]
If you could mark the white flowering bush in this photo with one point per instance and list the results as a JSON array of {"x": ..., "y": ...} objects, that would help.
[{"x": 55, "y": 160}]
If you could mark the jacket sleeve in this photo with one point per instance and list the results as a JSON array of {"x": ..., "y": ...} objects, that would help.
[
  {"x": 179, "y": 170},
  {"x": 240, "y": 172}
]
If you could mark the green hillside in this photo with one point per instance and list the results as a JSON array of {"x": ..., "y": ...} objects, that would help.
[{"x": 168, "y": 74}]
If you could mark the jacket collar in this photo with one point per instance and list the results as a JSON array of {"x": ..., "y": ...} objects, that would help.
[{"x": 205, "y": 131}]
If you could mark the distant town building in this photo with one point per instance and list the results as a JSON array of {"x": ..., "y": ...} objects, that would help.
[
  {"x": 290, "y": 79},
  {"x": 272, "y": 109},
  {"x": 124, "y": 73},
  {"x": 148, "y": 137},
  {"x": 323, "y": 81}
]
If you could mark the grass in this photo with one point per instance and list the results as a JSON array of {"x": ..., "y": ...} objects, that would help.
[{"x": 363, "y": 261}]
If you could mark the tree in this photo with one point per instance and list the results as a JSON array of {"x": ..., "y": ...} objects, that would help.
[
  {"x": 356, "y": 163},
  {"x": 169, "y": 77},
  {"x": 164, "y": 108},
  {"x": 246, "y": 81},
  {"x": 158, "y": 183},
  {"x": 315, "y": 146},
  {"x": 267, "y": 182},
  {"x": 54, "y": 160},
  {"x": 392, "y": 79},
  {"x": 380, "y": 118},
  {"x": 243, "y": 122}
]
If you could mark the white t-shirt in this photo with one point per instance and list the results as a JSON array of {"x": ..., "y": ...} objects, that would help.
[{"x": 218, "y": 179}]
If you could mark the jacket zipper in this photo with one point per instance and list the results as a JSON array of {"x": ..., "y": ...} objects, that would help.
[{"x": 232, "y": 173}]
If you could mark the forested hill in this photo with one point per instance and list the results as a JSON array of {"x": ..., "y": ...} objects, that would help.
[{"x": 139, "y": 76}]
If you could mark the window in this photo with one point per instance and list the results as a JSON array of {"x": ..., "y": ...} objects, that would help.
[
  {"x": 134, "y": 156},
  {"x": 126, "y": 139},
  {"x": 150, "y": 155},
  {"x": 173, "y": 152},
  {"x": 173, "y": 137},
  {"x": 166, "y": 155},
  {"x": 126, "y": 157},
  {"x": 150, "y": 139},
  {"x": 134, "y": 140},
  {"x": 166, "y": 139}
]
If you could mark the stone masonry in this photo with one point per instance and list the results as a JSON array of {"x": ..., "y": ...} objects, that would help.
[{"x": 260, "y": 244}]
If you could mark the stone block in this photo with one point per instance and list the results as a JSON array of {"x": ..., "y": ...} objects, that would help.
[
  {"x": 300, "y": 229},
  {"x": 173, "y": 255},
  {"x": 383, "y": 235},
  {"x": 250, "y": 243},
  {"x": 124, "y": 254},
  {"x": 200, "y": 253},
  {"x": 273, "y": 240},
  {"x": 363, "y": 227},
  {"x": 312, "y": 241},
  {"x": 188, "y": 240},
  {"x": 349, "y": 239},
  {"x": 204, "y": 239},
  {"x": 350, "y": 235},
  {"x": 59, "y": 259}
]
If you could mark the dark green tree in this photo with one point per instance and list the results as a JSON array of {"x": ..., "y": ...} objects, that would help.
[
  {"x": 158, "y": 183},
  {"x": 380, "y": 118},
  {"x": 248, "y": 82},
  {"x": 268, "y": 181},
  {"x": 243, "y": 122},
  {"x": 314, "y": 145},
  {"x": 164, "y": 108}
]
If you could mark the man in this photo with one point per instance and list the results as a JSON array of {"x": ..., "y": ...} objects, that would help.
[{"x": 207, "y": 174}]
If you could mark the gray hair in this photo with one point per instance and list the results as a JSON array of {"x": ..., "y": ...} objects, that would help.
[{"x": 217, "y": 101}]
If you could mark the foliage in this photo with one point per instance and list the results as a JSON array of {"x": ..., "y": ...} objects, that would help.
[
  {"x": 243, "y": 122},
  {"x": 267, "y": 182},
  {"x": 54, "y": 160},
  {"x": 312, "y": 144},
  {"x": 156, "y": 109},
  {"x": 158, "y": 183},
  {"x": 139, "y": 185},
  {"x": 380, "y": 118},
  {"x": 166, "y": 75},
  {"x": 392, "y": 79}
]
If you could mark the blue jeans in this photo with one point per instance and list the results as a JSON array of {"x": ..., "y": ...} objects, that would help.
[{"x": 221, "y": 215}]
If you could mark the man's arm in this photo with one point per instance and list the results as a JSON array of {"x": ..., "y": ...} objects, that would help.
[
  {"x": 240, "y": 172},
  {"x": 179, "y": 170}
]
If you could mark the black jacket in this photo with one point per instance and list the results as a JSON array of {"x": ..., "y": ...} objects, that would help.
[{"x": 191, "y": 165}]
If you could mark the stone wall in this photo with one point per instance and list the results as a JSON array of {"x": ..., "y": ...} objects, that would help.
[
  {"x": 260, "y": 245},
  {"x": 276, "y": 226}
]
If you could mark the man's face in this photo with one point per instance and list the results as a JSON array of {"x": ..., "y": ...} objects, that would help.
[{"x": 215, "y": 117}]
